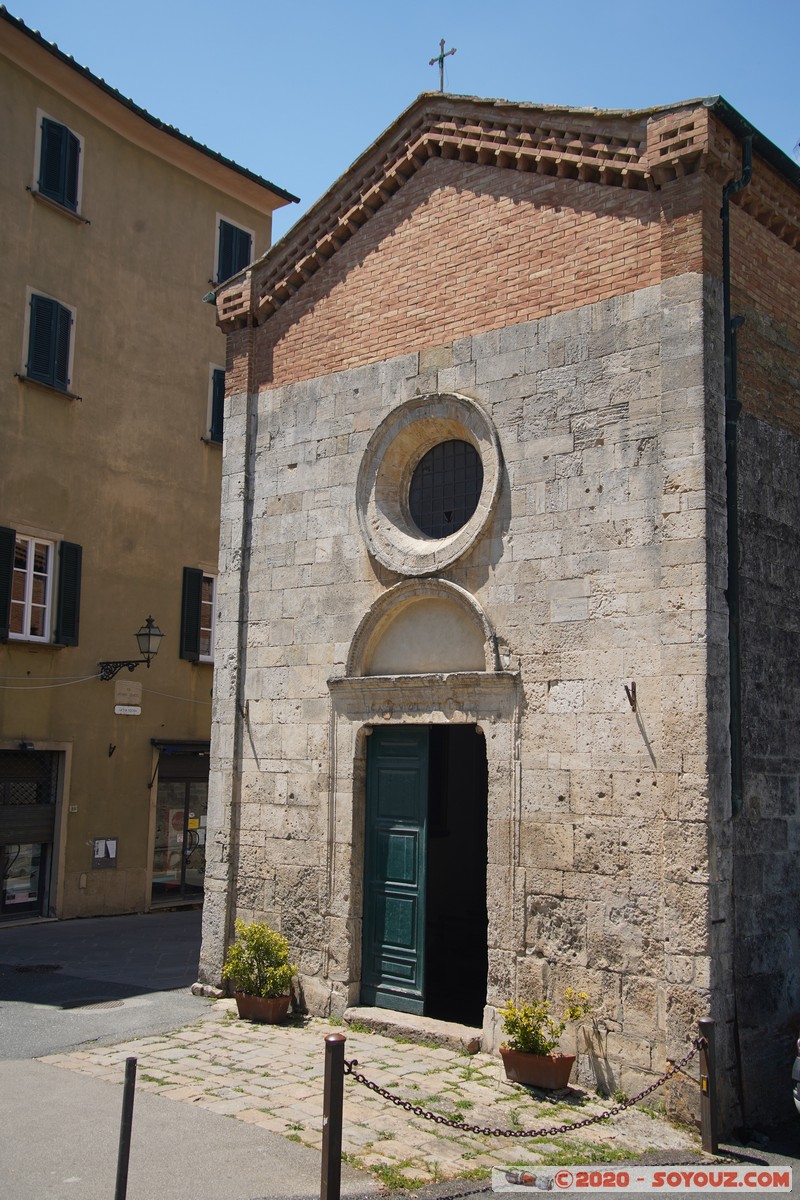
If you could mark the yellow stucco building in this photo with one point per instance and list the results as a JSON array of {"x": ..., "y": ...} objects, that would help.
[{"x": 114, "y": 226}]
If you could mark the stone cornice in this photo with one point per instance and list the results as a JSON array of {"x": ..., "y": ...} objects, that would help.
[{"x": 454, "y": 696}]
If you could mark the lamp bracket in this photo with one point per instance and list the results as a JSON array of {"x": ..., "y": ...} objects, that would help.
[{"x": 109, "y": 669}]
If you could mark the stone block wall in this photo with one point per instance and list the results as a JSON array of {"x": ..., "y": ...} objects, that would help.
[
  {"x": 766, "y": 837},
  {"x": 593, "y": 575}
]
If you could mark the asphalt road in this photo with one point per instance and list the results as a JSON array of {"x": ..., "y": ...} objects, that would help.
[{"x": 103, "y": 981}]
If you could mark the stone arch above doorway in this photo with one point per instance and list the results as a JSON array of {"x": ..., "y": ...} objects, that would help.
[{"x": 421, "y": 627}]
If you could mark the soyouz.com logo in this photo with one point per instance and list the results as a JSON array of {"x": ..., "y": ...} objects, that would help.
[{"x": 699, "y": 1178}]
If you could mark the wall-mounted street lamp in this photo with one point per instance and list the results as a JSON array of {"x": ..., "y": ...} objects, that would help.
[{"x": 149, "y": 639}]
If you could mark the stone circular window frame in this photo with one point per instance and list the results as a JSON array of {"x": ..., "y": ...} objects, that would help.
[{"x": 384, "y": 478}]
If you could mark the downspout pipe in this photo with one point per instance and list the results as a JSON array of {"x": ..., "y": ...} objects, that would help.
[{"x": 732, "y": 410}]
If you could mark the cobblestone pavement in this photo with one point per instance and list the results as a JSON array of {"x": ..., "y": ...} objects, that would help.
[{"x": 271, "y": 1076}]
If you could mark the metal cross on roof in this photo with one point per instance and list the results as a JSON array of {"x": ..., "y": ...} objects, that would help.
[{"x": 440, "y": 57}]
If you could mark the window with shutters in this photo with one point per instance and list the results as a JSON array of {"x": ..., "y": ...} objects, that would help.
[
  {"x": 40, "y": 587},
  {"x": 216, "y": 404},
  {"x": 234, "y": 249},
  {"x": 50, "y": 327},
  {"x": 197, "y": 615},
  {"x": 59, "y": 163}
]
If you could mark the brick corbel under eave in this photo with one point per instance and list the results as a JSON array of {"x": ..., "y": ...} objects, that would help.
[
  {"x": 234, "y": 302},
  {"x": 434, "y": 143},
  {"x": 564, "y": 145}
]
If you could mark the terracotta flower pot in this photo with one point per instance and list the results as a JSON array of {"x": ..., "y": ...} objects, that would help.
[
  {"x": 267, "y": 1009},
  {"x": 548, "y": 1071}
]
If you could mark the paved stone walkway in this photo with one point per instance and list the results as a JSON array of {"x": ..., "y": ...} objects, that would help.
[{"x": 271, "y": 1076}]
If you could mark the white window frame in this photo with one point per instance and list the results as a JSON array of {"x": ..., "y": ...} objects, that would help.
[
  {"x": 211, "y": 628},
  {"x": 32, "y": 541},
  {"x": 26, "y": 338},
  {"x": 37, "y": 160},
  {"x": 236, "y": 225}
]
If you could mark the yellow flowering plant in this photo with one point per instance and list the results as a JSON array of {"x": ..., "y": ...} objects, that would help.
[{"x": 534, "y": 1029}]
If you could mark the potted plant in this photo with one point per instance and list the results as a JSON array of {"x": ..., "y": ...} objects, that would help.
[
  {"x": 258, "y": 969},
  {"x": 530, "y": 1054}
]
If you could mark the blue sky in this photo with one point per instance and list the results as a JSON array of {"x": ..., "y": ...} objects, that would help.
[{"x": 296, "y": 91}]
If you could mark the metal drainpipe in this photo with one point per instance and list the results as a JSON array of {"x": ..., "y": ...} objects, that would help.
[
  {"x": 732, "y": 410},
  {"x": 241, "y": 718}
]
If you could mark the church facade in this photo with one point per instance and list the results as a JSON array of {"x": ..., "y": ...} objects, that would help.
[{"x": 506, "y": 650}]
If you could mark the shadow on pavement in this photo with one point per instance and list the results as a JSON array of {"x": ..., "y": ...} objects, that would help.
[
  {"x": 100, "y": 959},
  {"x": 61, "y": 990}
]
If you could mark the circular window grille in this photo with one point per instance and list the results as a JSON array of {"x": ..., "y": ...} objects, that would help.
[
  {"x": 445, "y": 488},
  {"x": 428, "y": 483}
]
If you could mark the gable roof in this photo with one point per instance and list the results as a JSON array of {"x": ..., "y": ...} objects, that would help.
[
  {"x": 640, "y": 149},
  {"x": 68, "y": 61}
]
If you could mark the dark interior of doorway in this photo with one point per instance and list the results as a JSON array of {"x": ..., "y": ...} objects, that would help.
[{"x": 456, "y": 920}]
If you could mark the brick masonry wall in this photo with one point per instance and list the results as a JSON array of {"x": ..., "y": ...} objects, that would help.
[
  {"x": 769, "y": 341},
  {"x": 463, "y": 249},
  {"x": 592, "y": 573}
]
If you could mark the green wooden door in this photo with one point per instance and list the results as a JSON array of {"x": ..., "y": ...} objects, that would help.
[{"x": 393, "y": 966}]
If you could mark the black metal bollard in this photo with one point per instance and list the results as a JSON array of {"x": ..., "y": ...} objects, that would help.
[
  {"x": 708, "y": 1087},
  {"x": 125, "y": 1127},
  {"x": 332, "y": 1103}
]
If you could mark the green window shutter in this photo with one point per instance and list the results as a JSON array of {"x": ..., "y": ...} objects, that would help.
[
  {"x": 42, "y": 332},
  {"x": 224, "y": 268},
  {"x": 61, "y": 347},
  {"x": 58, "y": 165},
  {"x": 217, "y": 404},
  {"x": 72, "y": 159},
  {"x": 48, "y": 344},
  {"x": 8, "y": 541},
  {"x": 52, "y": 159},
  {"x": 234, "y": 250},
  {"x": 69, "y": 594},
  {"x": 190, "y": 613},
  {"x": 241, "y": 253}
]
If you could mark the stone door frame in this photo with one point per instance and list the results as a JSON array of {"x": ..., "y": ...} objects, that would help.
[{"x": 491, "y": 700}]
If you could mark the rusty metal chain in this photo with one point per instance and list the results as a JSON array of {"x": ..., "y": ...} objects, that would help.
[{"x": 440, "y": 1119}]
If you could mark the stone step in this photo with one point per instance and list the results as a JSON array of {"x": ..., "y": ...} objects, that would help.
[{"x": 415, "y": 1028}]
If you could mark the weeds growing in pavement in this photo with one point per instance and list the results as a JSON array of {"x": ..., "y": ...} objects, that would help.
[{"x": 393, "y": 1176}]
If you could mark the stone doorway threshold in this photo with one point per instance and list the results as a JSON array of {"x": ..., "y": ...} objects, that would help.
[{"x": 416, "y": 1028}]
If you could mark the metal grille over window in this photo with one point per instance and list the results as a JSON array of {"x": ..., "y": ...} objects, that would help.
[
  {"x": 445, "y": 488},
  {"x": 27, "y": 777}
]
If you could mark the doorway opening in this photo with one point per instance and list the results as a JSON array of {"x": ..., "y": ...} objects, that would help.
[
  {"x": 179, "y": 848},
  {"x": 425, "y": 918},
  {"x": 28, "y": 788}
]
